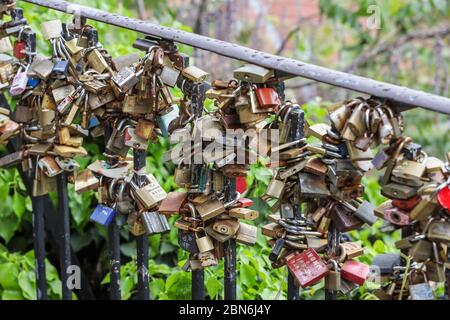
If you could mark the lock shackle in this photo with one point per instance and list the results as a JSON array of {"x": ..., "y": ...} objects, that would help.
[
  {"x": 334, "y": 265},
  {"x": 342, "y": 253},
  {"x": 192, "y": 210},
  {"x": 120, "y": 194},
  {"x": 111, "y": 191},
  {"x": 233, "y": 202}
]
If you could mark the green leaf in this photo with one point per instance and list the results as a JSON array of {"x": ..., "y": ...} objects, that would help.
[
  {"x": 8, "y": 227},
  {"x": 8, "y": 276},
  {"x": 247, "y": 275},
  {"x": 27, "y": 283},
  {"x": 213, "y": 287},
  {"x": 18, "y": 204},
  {"x": 156, "y": 287},
  {"x": 126, "y": 286},
  {"x": 12, "y": 295},
  {"x": 379, "y": 246}
]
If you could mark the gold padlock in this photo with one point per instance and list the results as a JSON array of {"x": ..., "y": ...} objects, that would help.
[{"x": 204, "y": 243}]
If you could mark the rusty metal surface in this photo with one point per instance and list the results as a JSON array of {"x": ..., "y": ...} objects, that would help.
[{"x": 402, "y": 98}]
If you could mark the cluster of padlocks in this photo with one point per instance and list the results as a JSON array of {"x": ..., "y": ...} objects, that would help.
[{"x": 315, "y": 196}]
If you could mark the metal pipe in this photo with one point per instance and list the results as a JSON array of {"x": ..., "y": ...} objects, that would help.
[
  {"x": 141, "y": 242},
  {"x": 230, "y": 251},
  {"x": 198, "y": 285},
  {"x": 401, "y": 98},
  {"x": 39, "y": 247},
  {"x": 113, "y": 245},
  {"x": 64, "y": 225}
]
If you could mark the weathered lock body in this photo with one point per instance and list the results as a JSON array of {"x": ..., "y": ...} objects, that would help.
[
  {"x": 277, "y": 248},
  {"x": 204, "y": 242},
  {"x": 385, "y": 262},
  {"x": 154, "y": 223},
  {"x": 365, "y": 212},
  {"x": 312, "y": 186},
  {"x": 166, "y": 117},
  {"x": 210, "y": 209},
  {"x": 398, "y": 191},
  {"x": 421, "y": 250},
  {"x": 307, "y": 267},
  {"x": 85, "y": 181},
  {"x": 49, "y": 166},
  {"x": 103, "y": 215},
  {"x": 333, "y": 278},
  {"x": 435, "y": 271},
  {"x": 151, "y": 194},
  {"x": 51, "y": 29},
  {"x": 421, "y": 291},
  {"x": 355, "y": 271},
  {"x": 407, "y": 204},
  {"x": 272, "y": 230},
  {"x": 267, "y": 98},
  {"x": 220, "y": 237},
  {"x": 408, "y": 169},
  {"x": 439, "y": 231},
  {"x": 187, "y": 241},
  {"x": 227, "y": 227},
  {"x": 252, "y": 73},
  {"x": 397, "y": 216},
  {"x": 132, "y": 140},
  {"x": 344, "y": 219},
  {"x": 172, "y": 203},
  {"x": 247, "y": 234}
]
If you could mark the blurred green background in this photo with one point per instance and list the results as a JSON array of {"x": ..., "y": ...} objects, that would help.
[{"x": 410, "y": 47}]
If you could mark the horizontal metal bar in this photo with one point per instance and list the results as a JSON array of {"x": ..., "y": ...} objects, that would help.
[{"x": 401, "y": 97}]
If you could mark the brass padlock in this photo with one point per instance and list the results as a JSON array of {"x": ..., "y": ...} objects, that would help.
[
  {"x": 275, "y": 188},
  {"x": 247, "y": 234},
  {"x": 151, "y": 194},
  {"x": 425, "y": 208},
  {"x": 227, "y": 227},
  {"x": 204, "y": 242},
  {"x": 252, "y": 73}
]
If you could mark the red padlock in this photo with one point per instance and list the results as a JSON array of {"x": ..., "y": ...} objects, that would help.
[
  {"x": 443, "y": 197},
  {"x": 19, "y": 49},
  {"x": 241, "y": 184},
  {"x": 245, "y": 202},
  {"x": 307, "y": 267},
  {"x": 355, "y": 271},
  {"x": 408, "y": 204},
  {"x": 267, "y": 98}
]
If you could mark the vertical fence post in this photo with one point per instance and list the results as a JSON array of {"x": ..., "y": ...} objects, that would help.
[
  {"x": 64, "y": 225},
  {"x": 333, "y": 246},
  {"x": 198, "y": 276},
  {"x": 141, "y": 241},
  {"x": 230, "y": 251},
  {"x": 39, "y": 245},
  {"x": 198, "y": 284},
  {"x": 113, "y": 243}
]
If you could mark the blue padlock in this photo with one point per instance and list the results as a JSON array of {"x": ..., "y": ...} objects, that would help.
[
  {"x": 93, "y": 122},
  {"x": 61, "y": 67},
  {"x": 103, "y": 215},
  {"x": 33, "y": 82},
  {"x": 166, "y": 118}
]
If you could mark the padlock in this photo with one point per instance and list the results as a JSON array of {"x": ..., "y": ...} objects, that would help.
[
  {"x": 149, "y": 195},
  {"x": 344, "y": 219},
  {"x": 42, "y": 68},
  {"x": 355, "y": 271},
  {"x": 398, "y": 191},
  {"x": 275, "y": 188},
  {"x": 86, "y": 181},
  {"x": 61, "y": 67},
  {"x": 244, "y": 110},
  {"x": 421, "y": 250},
  {"x": 365, "y": 213},
  {"x": 396, "y": 216},
  {"x": 144, "y": 129},
  {"x": 351, "y": 249},
  {"x": 182, "y": 175},
  {"x": 187, "y": 241},
  {"x": 19, "y": 83},
  {"x": 69, "y": 152},
  {"x": 126, "y": 79},
  {"x": 11, "y": 159},
  {"x": 243, "y": 213},
  {"x": 425, "y": 208},
  {"x": 252, "y": 73},
  {"x": 277, "y": 248},
  {"x": 207, "y": 259},
  {"x": 97, "y": 61},
  {"x": 169, "y": 76},
  {"x": 386, "y": 262},
  {"x": 421, "y": 291},
  {"x": 103, "y": 215},
  {"x": 5, "y": 45},
  {"x": 154, "y": 223},
  {"x": 435, "y": 271},
  {"x": 443, "y": 197},
  {"x": 272, "y": 230},
  {"x": 356, "y": 121},
  {"x": 267, "y": 98},
  {"x": 312, "y": 186},
  {"x": 219, "y": 237},
  {"x": 407, "y": 204},
  {"x": 307, "y": 267},
  {"x": 287, "y": 211},
  {"x": 194, "y": 74},
  {"x": 227, "y": 227},
  {"x": 51, "y": 29},
  {"x": 409, "y": 169},
  {"x": 439, "y": 231},
  {"x": 247, "y": 234},
  {"x": 49, "y": 166},
  {"x": 204, "y": 242},
  {"x": 166, "y": 117},
  {"x": 132, "y": 140},
  {"x": 172, "y": 203},
  {"x": 333, "y": 278}
]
